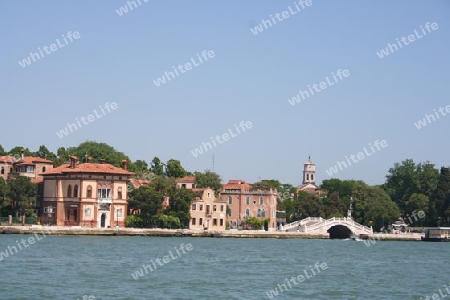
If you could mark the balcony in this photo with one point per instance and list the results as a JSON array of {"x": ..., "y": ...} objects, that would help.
[{"x": 104, "y": 200}]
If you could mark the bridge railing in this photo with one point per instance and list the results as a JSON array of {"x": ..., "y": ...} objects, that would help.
[
  {"x": 347, "y": 221},
  {"x": 302, "y": 222}
]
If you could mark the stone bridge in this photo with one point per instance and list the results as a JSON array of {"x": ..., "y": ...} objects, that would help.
[{"x": 336, "y": 227}]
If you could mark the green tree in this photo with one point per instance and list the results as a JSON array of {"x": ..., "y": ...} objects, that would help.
[
  {"x": 147, "y": 199},
  {"x": 439, "y": 208},
  {"x": 157, "y": 166},
  {"x": 23, "y": 192},
  {"x": 208, "y": 179},
  {"x": 174, "y": 169},
  {"x": 17, "y": 151},
  {"x": 312, "y": 206},
  {"x": 43, "y": 152},
  {"x": 334, "y": 206},
  {"x": 179, "y": 205},
  {"x": 2, "y": 151},
  {"x": 98, "y": 151},
  {"x": 407, "y": 178}
]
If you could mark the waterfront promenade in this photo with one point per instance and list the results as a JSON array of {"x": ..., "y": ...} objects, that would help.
[{"x": 78, "y": 230}]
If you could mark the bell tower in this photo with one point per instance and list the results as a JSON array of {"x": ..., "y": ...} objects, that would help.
[{"x": 309, "y": 172}]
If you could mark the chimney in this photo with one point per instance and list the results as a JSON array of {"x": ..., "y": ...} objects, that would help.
[
  {"x": 89, "y": 159},
  {"x": 124, "y": 164},
  {"x": 102, "y": 161},
  {"x": 73, "y": 162},
  {"x": 22, "y": 154}
]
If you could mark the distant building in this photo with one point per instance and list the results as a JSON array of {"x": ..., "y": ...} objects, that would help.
[
  {"x": 243, "y": 202},
  {"x": 187, "y": 182},
  {"x": 207, "y": 212},
  {"x": 29, "y": 166},
  {"x": 309, "y": 179},
  {"x": 87, "y": 194}
]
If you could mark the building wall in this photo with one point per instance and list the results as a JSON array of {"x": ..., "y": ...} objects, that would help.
[
  {"x": 55, "y": 196},
  {"x": 215, "y": 219},
  {"x": 257, "y": 200}
]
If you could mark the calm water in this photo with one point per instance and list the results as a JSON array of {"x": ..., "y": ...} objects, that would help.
[{"x": 70, "y": 267}]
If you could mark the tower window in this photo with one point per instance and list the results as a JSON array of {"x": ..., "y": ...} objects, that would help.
[{"x": 312, "y": 177}]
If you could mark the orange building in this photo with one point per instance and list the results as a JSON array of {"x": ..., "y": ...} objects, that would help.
[
  {"x": 87, "y": 194},
  {"x": 207, "y": 212}
]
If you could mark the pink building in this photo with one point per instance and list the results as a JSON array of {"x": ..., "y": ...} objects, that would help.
[{"x": 243, "y": 202}]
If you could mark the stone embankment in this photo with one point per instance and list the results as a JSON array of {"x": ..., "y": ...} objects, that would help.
[{"x": 78, "y": 230}]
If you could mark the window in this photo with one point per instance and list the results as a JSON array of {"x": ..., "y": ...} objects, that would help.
[
  {"x": 214, "y": 222},
  {"x": 119, "y": 193},
  {"x": 312, "y": 177},
  {"x": 307, "y": 176},
  {"x": 247, "y": 200},
  {"x": 104, "y": 193},
  {"x": 89, "y": 191},
  {"x": 261, "y": 200},
  {"x": 209, "y": 195},
  {"x": 230, "y": 200},
  {"x": 254, "y": 201},
  {"x": 259, "y": 213},
  {"x": 200, "y": 221},
  {"x": 43, "y": 169},
  {"x": 201, "y": 208},
  {"x": 193, "y": 221},
  {"x": 119, "y": 213},
  {"x": 30, "y": 169},
  {"x": 208, "y": 209},
  {"x": 215, "y": 208},
  {"x": 184, "y": 186},
  {"x": 3, "y": 170},
  {"x": 194, "y": 207},
  {"x": 10, "y": 170},
  {"x": 69, "y": 191},
  {"x": 87, "y": 212},
  {"x": 229, "y": 212},
  {"x": 247, "y": 213},
  {"x": 273, "y": 214},
  {"x": 221, "y": 222},
  {"x": 75, "y": 190},
  {"x": 263, "y": 213},
  {"x": 221, "y": 208}
]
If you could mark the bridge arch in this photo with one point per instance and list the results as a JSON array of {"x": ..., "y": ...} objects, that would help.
[{"x": 339, "y": 232}]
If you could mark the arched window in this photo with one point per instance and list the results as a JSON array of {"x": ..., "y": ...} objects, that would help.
[
  {"x": 119, "y": 193},
  {"x": 261, "y": 200},
  {"x": 259, "y": 213},
  {"x": 312, "y": 177},
  {"x": 307, "y": 176},
  {"x": 247, "y": 213},
  {"x": 230, "y": 200},
  {"x": 43, "y": 169},
  {"x": 3, "y": 170},
  {"x": 229, "y": 212},
  {"x": 247, "y": 200},
  {"x": 89, "y": 192},
  {"x": 263, "y": 213},
  {"x": 75, "y": 190},
  {"x": 69, "y": 191}
]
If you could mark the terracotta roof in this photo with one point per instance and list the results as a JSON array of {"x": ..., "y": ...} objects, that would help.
[
  {"x": 37, "y": 180},
  {"x": 186, "y": 178},
  {"x": 139, "y": 182},
  {"x": 33, "y": 160},
  {"x": 88, "y": 168},
  {"x": 26, "y": 160},
  {"x": 236, "y": 185}
]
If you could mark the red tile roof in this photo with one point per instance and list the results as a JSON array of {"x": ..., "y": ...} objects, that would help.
[
  {"x": 88, "y": 168},
  {"x": 186, "y": 178},
  {"x": 236, "y": 185},
  {"x": 37, "y": 180},
  {"x": 139, "y": 182},
  {"x": 29, "y": 160}
]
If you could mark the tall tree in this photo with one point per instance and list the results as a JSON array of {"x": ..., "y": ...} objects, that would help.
[
  {"x": 335, "y": 207},
  {"x": 43, "y": 152},
  {"x": 2, "y": 151},
  {"x": 147, "y": 199},
  {"x": 440, "y": 200},
  {"x": 174, "y": 169},
  {"x": 208, "y": 179},
  {"x": 23, "y": 192},
  {"x": 157, "y": 166},
  {"x": 98, "y": 151}
]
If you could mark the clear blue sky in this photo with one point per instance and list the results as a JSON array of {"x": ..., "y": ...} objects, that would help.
[{"x": 250, "y": 78}]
